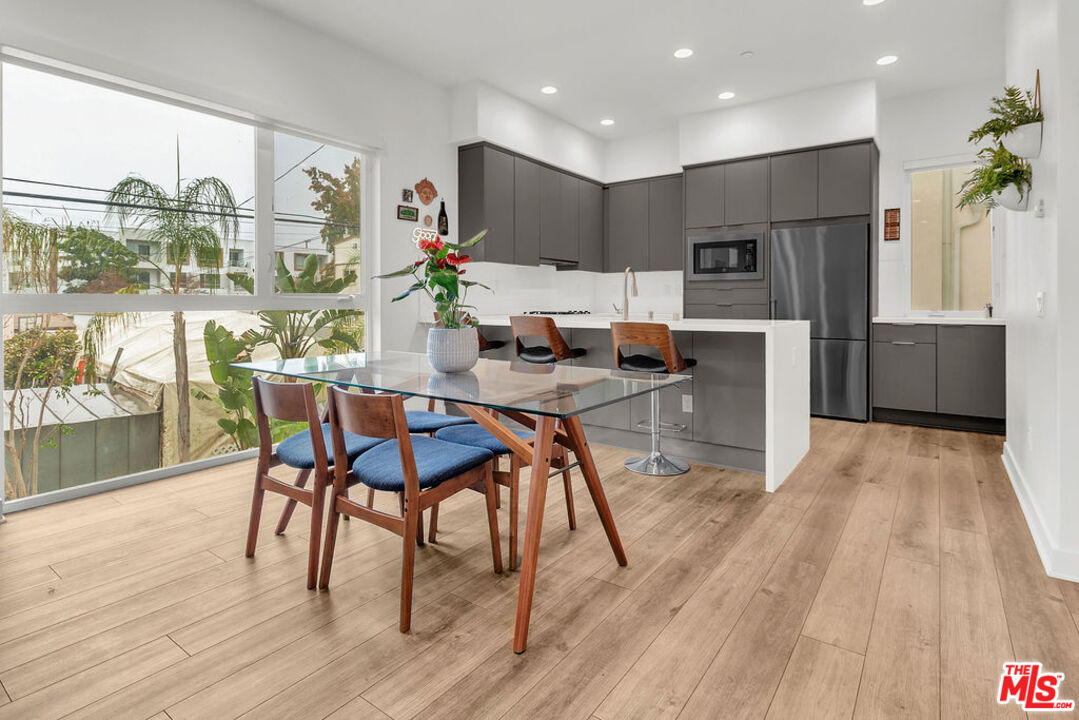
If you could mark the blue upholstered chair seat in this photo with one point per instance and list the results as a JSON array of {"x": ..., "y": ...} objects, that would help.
[
  {"x": 296, "y": 451},
  {"x": 436, "y": 461},
  {"x": 423, "y": 422},
  {"x": 478, "y": 436}
]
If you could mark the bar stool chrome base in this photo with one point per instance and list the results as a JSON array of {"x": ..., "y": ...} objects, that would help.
[{"x": 656, "y": 464}]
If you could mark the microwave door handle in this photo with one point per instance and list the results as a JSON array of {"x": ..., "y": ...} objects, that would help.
[{"x": 773, "y": 303}]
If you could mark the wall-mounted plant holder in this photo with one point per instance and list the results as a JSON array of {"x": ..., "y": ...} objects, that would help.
[
  {"x": 1026, "y": 140},
  {"x": 1009, "y": 198}
]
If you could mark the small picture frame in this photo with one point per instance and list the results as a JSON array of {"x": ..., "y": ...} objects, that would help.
[
  {"x": 406, "y": 196},
  {"x": 408, "y": 212},
  {"x": 891, "y": 224}
]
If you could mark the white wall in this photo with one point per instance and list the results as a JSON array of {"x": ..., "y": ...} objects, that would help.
[
  {"x": 815, "y": 117},
  {"x": 248, "y": 59},
  {"x": 482, "y": 113},
  {"x": 1043, "y": 370},
  {"x": 642, "y": 156},
  {"x": 924, "y": 129}
]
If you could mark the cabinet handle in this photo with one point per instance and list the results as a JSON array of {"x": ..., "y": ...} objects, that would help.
[
  {"x": 724, "y": 304},
  {"x": 904, "y": 324},
  {"x": 902, "y": 342}
]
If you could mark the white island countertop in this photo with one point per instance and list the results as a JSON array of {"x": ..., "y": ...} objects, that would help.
[
  {"x": 602, "y": 321},
  {"x": 939, "y": 320}
]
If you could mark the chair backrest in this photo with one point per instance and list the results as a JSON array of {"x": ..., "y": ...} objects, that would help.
[
  {"x": 293, "y": 402},
  {"x": 656, "y": 335},
  {"x": 377, "y": 415},
  {"x": 540, "y": 326}
]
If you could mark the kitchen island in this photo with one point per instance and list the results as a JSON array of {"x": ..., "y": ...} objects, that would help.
[{"x": 747, "y": 406}]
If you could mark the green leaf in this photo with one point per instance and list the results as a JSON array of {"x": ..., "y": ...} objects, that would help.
[
  {"x": 407, "y": 270},
  {"x": 246, "y": 433},
  {"x": 413, "y": 288},
  {"x": 227, "y": 425},
  {"x": 471, "y": 242}
]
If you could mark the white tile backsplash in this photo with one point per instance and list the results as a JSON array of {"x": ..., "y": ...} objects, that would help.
[{"x": 518, "y": 288}]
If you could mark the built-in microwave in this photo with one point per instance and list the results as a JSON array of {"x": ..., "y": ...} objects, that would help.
[{"x": 726, "y": 255}]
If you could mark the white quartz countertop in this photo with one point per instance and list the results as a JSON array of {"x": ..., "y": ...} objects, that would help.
[
  {"x": 939, "y": 320},
  {"x": 604, "y": 320}
]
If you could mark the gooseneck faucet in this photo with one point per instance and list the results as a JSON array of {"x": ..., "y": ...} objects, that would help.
[{"x": 626, "y": 291}]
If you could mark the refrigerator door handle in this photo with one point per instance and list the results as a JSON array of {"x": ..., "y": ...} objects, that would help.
[{"x": 772, "y": 307}]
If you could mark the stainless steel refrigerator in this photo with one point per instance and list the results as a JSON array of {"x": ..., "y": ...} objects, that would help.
[{"x": 821, "y": 274}]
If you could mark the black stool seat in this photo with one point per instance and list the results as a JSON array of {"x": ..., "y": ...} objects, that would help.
[
  {"x": 544, "y": 355},
  {"x": 494, "y": 345},
  {"x": 648, "y": 364}
]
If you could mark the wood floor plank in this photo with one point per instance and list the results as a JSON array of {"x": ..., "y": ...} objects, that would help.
[
  {"x": 842, "y": 612},
  {"x": 960, "y": 506},
  {"x": 889, "y": 463},
  {"x": 358, "y": 709},
  {"x": 901, "y": 673},
  {"x": 974, "y": 631},
  {"x": 916, "y": 528},
  {"x": 925, "y": 443},
  {"x": 820, "y": 681}
]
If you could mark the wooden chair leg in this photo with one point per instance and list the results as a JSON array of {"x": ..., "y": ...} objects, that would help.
[
  {"x": 568, "y": 484},
  {"x": 328, "y": 545},
  {"x": 256, "y": 512},
  {"x": 408, "y": 567},
  {"x": 434, "y": 524},
  {"x": 370, "y": 497},
  {"x": 515, "y": 502},
  {"x": 316, "y": 532},
  {"x": 419, "y": 529},
  {"x": 290, "y": 506},
  {"x": 492, "y": 516}
]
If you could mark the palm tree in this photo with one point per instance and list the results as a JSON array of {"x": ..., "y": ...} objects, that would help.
[{"x": 197, "y": 218}]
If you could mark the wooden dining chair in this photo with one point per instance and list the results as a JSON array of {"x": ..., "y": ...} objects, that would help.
[
  {"x": 540, "y": 326},
  {"x": 305, "y": 452},
  {"x": 424, "y": 469}
]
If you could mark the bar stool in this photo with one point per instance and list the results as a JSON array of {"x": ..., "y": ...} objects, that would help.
[
  {"x": 658, "y": 336},
  {"x": 539, "y": 326}
]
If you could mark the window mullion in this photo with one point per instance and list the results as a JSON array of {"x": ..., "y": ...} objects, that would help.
[{"x": 264, "y": 224}]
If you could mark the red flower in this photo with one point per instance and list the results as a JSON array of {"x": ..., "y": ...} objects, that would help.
[
  {"x": 461, "y": 272},
  {"x": 418, "y": 263},
  {"x": 441, "y": 263},
  {"x": 464, "y": 258}
]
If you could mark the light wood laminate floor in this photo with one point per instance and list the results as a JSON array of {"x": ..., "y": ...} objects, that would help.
[{"x": 891, "y": 576}]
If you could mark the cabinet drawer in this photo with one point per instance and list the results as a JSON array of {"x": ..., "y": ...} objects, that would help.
[
  {"x": 888, "y": 332},
  {"x": 726, "y": 296},
  {"x": 905, "y": 375},
  {"x": 734, "y": 311}
]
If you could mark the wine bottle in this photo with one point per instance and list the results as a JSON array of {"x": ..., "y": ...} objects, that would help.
[{"x": 443, "y": 221}]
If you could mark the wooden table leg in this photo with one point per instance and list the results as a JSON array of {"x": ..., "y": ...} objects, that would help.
[
  {"x": 595, "y": 488},
  {"x": 537, "y": 496}
]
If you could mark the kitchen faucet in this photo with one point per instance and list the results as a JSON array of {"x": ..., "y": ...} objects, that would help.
[{"x": 626, "y": 292}]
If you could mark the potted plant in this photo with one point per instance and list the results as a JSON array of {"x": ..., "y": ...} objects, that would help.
[
  {"x": 452, "y": 344},
  {"x": 1016, "y": 122},
  {"x": 1001, "y": 178}
]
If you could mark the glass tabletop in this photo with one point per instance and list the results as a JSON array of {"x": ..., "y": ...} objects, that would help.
[{"x": 553, "y": 390}]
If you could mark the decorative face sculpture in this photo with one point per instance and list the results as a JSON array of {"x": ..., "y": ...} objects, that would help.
[{"x": 426, "y": 190}]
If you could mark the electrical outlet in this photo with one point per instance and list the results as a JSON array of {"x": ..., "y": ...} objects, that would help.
[
  {"x": 687, "y": 403},
  {"x": 1039, "y": 303}
]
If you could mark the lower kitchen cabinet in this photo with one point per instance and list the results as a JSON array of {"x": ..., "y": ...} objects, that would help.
[
  {"x": 905, "y": 375},
  {"x": 970, "y": 370},
  {"x": 728, "y": 389},
  {"x": 672, "y": 408},
  {"x": 600, "y": 355}
]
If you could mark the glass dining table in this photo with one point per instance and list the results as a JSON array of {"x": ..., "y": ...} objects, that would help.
[{"x": 548, "y": 399}]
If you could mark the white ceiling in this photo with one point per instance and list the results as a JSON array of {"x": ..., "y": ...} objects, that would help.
[{"x": 613, "y": 58}]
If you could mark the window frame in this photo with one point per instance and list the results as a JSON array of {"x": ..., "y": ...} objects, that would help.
[{"x": 262, "y": 259}]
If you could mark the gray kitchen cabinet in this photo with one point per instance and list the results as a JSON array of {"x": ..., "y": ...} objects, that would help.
[
  {"x": 745, "y": 192},
  {"x": 793, "y": 180},
  {"x": 845, "y": 180},
  {"x": 905, "y": 375},
  {"x": 526, "y": 212},
  {"x": 590, "y": 243},
  {"x": 551, "y": 226},
  {"x": 728, "y": 407},
  {"x": 600, "y": 355},
  {"x": 486, "y": 176},
  {"x": 970, "y": 370},
  {"x": 568, "y": 247},
  {"x": 704, "y": 194},
  {"x": 665, "y": 245},
  {"x": 670, "y": 399},
  {"x": 627, "y": 226},
  {"x": 728, "y": 311}
]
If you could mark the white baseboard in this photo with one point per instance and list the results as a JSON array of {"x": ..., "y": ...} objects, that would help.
[{"x": 1058, "y": 562}]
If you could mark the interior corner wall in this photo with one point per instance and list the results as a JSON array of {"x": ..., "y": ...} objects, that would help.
[
  {"x": 641, "y": 156},
  {"x": 240, "y": 56}
]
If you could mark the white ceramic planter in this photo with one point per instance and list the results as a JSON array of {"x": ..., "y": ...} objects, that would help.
[
  {"x": 1010, "y": 199},
  {"x": 1025, "y": 141},
  {"x": 452, "y": 350}
]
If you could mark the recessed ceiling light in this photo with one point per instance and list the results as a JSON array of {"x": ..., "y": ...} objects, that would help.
[
  {"x": 886, "y": 59},
  {"x": 872, "y": 2},
  {"x": 682, "y": 53},
  {"x": 726, "y": 95},
  {"x": 606, "y": 121},
  {"x": 548, "y": 89}
]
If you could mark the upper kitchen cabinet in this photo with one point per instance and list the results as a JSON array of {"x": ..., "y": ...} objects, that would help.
[
  {"x": 665, "y": 245},
  {"x": 526, "y": 212},
  {"x": 627, "y": 226},
  {"x": 845, "y": 180},
  {"x": 794, "y": 186},
  {"x": 704, "y": 196},
  {"x": 485, "y": 176},
  {"x": 745, "y": 192},
  {"x": 559, "y": 216},
  {"x": 590, "y": 243}
]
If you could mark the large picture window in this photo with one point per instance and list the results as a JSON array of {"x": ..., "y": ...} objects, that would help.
[{"x": 136, "y": 268}]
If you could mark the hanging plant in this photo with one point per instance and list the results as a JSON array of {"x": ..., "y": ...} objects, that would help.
[
  {"x": 997, "y": 170},
  {"x": 1016, "y": 107}
]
